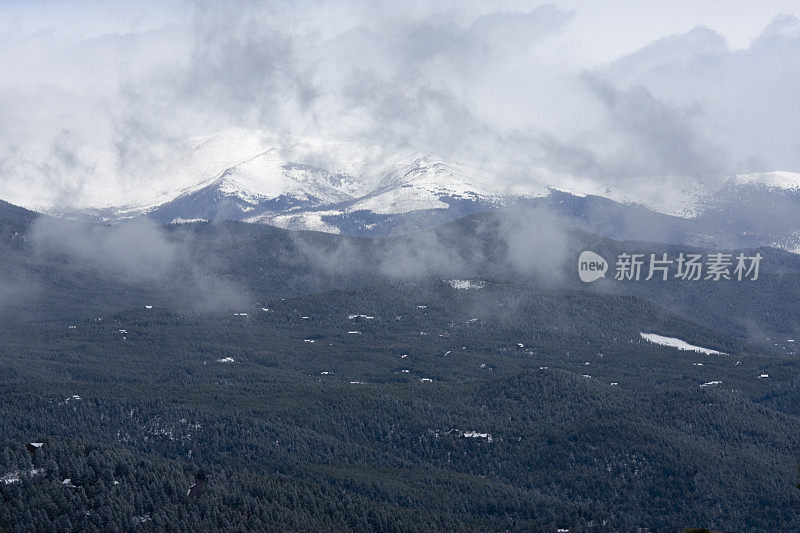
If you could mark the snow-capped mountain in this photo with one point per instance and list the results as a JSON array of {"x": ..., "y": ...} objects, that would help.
[
  {"x": 236, "y": 172},
  {"x": 421, "y": 186},
  {"x": 306, "y": 183},
  {"x": 266, "y": 183},
  {"x": 269, "y": 188},
  {"x": 314, "y": 184}
]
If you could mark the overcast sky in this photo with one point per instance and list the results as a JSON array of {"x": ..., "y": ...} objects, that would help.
[{"x": 96, "y": 97}]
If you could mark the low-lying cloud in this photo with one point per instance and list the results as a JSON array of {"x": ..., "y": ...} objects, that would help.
[
  {"x": 138, "y": 254},
  {"x": 527, "y": 243},
  {"x": 136, "y": 251}
]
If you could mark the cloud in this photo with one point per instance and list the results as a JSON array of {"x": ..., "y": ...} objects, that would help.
[
  {"x": 16, "y": 288},
  {"x": 140, "y": 254},
  {"x": 136, "y": 251},
  {"x": 642, "y": 137},
  {"x": 518, "y": 243},
  {"x": 96, "y": 117},
  {"x": 742, "y": 99}
]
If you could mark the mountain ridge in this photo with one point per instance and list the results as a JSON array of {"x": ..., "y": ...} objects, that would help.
[{"x": 340, "y": 187}]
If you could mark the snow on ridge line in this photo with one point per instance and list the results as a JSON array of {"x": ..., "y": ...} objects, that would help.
[
  {"x": 777, "y": 179},
  {"x": 678, "y": 343}
]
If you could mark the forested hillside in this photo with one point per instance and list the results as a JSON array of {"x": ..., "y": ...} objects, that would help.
[
  {"x": 413, "y": 405},
  {"x": 64, "y": 271}
]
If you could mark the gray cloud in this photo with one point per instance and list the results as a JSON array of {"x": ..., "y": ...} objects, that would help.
[
  {"x": 140, "y": 253},
  {"x": 96, "y": 118},
  {"x": 136, "y": 251},
  {"x": 742, "y": 99},
  {"x": 16, "y": 288},
  {"x": 646, "y": 137},
  {"x": 520, "y": 242}
]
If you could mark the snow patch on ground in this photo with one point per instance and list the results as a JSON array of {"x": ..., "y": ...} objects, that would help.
[
  {"x": 310, "y": 221},
  {"x": 677, "y": 343},
  {"x": 13, "y": 477},
  {"x": 180, "y": 220},
  {"x": 466, "y": 284},
  {"x": 477, "y": 435},
  {"x": 8, "y": 479}
]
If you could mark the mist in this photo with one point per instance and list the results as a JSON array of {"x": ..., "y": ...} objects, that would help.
[
  {"x": 528, "y": 243},
  {"x": 533, "y": 93},
  {"x": 139, "y": 254}
]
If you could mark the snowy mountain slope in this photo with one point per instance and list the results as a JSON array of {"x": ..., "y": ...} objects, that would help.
[
  {"x": 267, "y": 187},
  {"x": 250, "y": 165},
  {"x": 266, "y": 182},
  {"x": 355, "y": 188},
  {"x": 425, "y": 192},
  {"x": 295, "y": 183},
  {"x": 251, "y": 175},
  {"x": 780, "y": 180},
  {"x": 428, "y": 181}
]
